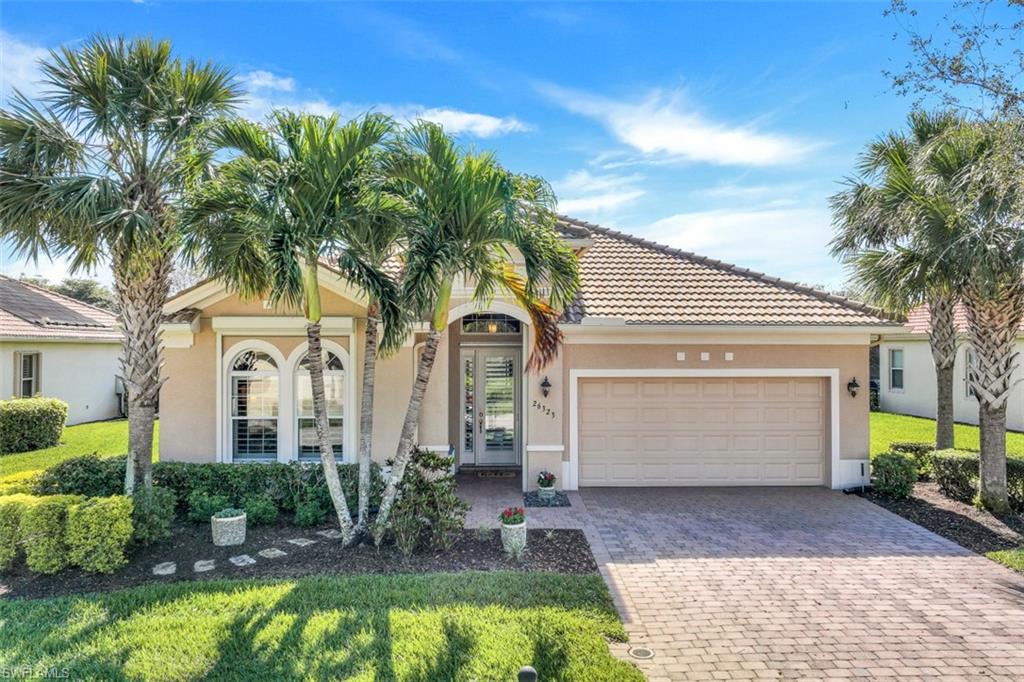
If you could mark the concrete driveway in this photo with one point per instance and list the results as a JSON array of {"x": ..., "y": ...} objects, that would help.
[{"x": 791, "y": 583}]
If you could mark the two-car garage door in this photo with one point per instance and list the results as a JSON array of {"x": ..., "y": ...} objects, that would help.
[{"x": 702, "y": 431}]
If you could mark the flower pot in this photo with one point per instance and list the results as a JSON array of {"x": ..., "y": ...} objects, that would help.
[
  {"x": 228, "y": 531},
  {"x": 546, "y": 493},
  {"x": 513, "y": 538}
]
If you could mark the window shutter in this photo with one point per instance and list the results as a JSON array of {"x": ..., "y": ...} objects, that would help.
[
  {"x": 38, "y": 370},
  {"x": 16, "y": 390}
]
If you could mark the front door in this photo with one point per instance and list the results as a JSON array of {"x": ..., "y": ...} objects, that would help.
[{"x": 491, "y": 384}]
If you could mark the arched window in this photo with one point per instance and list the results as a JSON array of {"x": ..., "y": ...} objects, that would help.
[
  {"x": 255, "y": 401},
  {"x": 334, "y": 391}
]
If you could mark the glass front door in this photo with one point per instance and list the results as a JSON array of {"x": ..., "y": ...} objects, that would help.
[{"x": 490, "y": 406}]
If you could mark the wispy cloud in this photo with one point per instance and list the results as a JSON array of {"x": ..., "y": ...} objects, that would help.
[
  {"x": 19, "y": 66},
  {"x": 585, "y": 194},
  {"x": 265, "y": 80},
  {"x": 459, "y": 122},
  {"x": 663, "y": 125}
]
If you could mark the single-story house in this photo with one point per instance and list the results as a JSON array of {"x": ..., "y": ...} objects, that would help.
[
  {"x": 676, "y": 370},
  {"x": 57, "y": 347},
  {"x": 907, "y": 373}
]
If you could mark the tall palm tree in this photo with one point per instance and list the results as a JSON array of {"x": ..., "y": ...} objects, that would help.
[
  {"x": 270, "y": 214},
  {"x": 894, "y": 226},
  {"x": 94, "y": 172},
  {"x": 469, "y": 214}
]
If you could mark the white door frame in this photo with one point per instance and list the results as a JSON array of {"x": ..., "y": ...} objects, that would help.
[
  {"x": 576, "y": 374},
  {"x": 473, "y": 349}
]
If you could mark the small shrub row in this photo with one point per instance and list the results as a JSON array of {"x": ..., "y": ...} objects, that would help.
[
  {"x": 56, "y": 531},
  {"x": 31, "y": 423},
  {"x": 920, "y": 451},
  {"x": 893, "y": 474},
  {"x": 957, "y": 471}
]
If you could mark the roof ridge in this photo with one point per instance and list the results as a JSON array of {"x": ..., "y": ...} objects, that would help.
[
  {"x": 858, "y": 306},
  {"x": 45, "y": 291}
]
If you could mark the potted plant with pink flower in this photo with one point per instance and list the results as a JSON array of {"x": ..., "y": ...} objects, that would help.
[
  {"x": 513, "y": 530},
  {"x": 546, "y": 485}
]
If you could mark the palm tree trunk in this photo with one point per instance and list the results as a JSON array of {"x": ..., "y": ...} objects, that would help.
[
  {"x": 942, "y": 339},
  {"x": 366, "y": 415},
  {"x": 993, "y": 322}
]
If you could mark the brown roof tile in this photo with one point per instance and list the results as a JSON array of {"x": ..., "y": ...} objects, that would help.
[{"x": 57, "y": 317}]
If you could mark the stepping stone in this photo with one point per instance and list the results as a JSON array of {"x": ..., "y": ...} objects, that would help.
[
  {"x": 242, "y": 560},
  {"x": 332, "y": 534},
  {"x": 302, "y": 542},
  {"x": 166, "y": 568},
  {"x": 204, "y": 565},
  {"x": 272, "y": 553}
]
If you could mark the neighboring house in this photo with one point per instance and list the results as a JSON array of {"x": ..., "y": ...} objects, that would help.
[
  {"x": 57, "y": 347},
  {"x": 676, "y": 370},
  {"x": 907, "y": 373}
]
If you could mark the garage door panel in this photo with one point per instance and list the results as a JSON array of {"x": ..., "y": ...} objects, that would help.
[{"x": 702, "y": 431}]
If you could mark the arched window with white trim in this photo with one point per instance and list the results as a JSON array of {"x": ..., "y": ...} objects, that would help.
[
  {"x": 307, "y": 447},
  {"x": 254, "y": 385}
]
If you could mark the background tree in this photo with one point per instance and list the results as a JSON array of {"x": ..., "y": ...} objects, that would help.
[
  {"x": 269, "y": 215},
  {"x": 894, "y": 225},
  {"x": 469, "y": 214},
  {"x": 95, "y": 173}
]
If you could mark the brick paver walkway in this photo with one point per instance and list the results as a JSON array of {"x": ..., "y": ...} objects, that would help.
[{"x": 797, "y": 583}]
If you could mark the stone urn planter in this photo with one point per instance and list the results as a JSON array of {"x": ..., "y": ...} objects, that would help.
[
  {"x": 546, "y": 485},
  {"x": 228, "y": 527},
  {"x": 513, "y": 530}
]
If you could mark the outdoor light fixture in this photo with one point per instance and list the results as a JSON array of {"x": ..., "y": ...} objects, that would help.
[
  {"x": 545, "y": 386},
  {"x": 492, "y": 327},
  {"x": 852, "y": 387}
]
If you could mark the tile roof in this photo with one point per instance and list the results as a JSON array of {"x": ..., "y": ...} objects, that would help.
[
  {"x": 31, "y": 312},
  {"x": 642, "y": 282},
  {"x": 920, "y": 320}
]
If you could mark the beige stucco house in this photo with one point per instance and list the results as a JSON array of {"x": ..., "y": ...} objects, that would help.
[{"x": 677, "y": 370}]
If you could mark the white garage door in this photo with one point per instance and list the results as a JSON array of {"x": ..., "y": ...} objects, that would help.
[{"x": 690, "y": 431}]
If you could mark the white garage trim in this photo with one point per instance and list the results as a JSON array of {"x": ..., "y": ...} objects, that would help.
[{"x": 576, "y": 374}]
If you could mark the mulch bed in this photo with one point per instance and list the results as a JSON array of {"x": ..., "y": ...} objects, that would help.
[
  {"x": 556, "y": 551},
  {"x": 964, "y": 524},
  {"x": 533, "y": 499}
]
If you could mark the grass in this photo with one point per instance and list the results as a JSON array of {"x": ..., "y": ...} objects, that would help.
[
  {"x": 1013, "y": 558},
  {"x": 106, "y": 439},
  {"x": 887, "y": 427},
  {"x": 469, "y": 626}
]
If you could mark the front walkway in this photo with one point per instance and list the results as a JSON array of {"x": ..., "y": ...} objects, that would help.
[{"x": 786, "y": 583}]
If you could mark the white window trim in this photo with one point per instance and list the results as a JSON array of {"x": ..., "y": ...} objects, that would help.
[
  {"x": 36, "y": 378},
  {"x": 889, "y": 368},
  {"x": 227, "y": 452},
  {"x": 837, "y": 475},
  {"x": 968, "y": 392},
  {"x": 351, "y": 413}
]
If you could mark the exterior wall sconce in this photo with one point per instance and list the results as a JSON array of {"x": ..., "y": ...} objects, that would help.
[
  {"x": 853, "y": 387},
  {"x": 545, "y": 387}
]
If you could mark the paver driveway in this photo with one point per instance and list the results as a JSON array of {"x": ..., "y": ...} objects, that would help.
[{"x": 794, "y": 583}]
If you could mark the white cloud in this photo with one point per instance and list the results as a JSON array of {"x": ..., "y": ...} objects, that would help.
[
  {"x": 663, "y": 126},
  {"x": 586, "y": 194},
  {"x": 265, "y": 80},
  {"x": 19, "y": 66},
  {"x": 467, "y": 122}
]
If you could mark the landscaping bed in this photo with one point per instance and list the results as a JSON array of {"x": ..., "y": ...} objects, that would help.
[
  {"x": 556, "y": 551},
  {"x": 964, "y": 524}
]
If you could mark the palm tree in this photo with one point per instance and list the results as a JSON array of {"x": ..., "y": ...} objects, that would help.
[
  {"x": 469, "y": 213},
  {"x": 270, "y": 214},
  {"x": 894, "y": 225},
  {"x": 94, "y": 172}
]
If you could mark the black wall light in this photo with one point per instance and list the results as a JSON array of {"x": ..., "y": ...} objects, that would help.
[
  {"x": 853, "y": 387},
  {"x": 545, "y": 387}
]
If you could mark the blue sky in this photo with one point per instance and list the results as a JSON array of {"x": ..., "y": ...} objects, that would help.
[{"x": 717, "y": 128}]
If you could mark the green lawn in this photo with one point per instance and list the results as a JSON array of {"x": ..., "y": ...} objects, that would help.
[
  {"x": 106, "y": 439},
  {"x": 467, "y": 626},
  {"x": 1014, "y": 558},
  {"x": 887, "y": 427}
]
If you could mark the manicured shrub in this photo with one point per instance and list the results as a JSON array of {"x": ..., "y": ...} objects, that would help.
[
  {"x": 310, "y": 513},
  {"x": 202, "y": 505},
  {"x": 11, "y": 509},
  {"x": 87, "y": 475},
  {"x": 259, "y": 509},
  {"x": 920, "y": 451},
  {"x": 31, "y": 423},
  {"x": 428, "y": 508},
  {"x": 23, "y": 483},
  {"x": 152, "y": 514},
  {"x": 42, "y": 532},
  {"x": 893, "y": 474},
  {"x": 98, "y": 530},
  {"x": 956, "y": 472}
]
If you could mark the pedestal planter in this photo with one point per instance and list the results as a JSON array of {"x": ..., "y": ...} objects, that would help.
[
  {"x": 228, "y": 530},
  {"x": 546, "y": 493},
  {"x": 513, "y": 538}
]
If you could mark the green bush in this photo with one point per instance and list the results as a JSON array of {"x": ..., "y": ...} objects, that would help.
[
  {"x": 259, "y": 509},
  {"x": 893, "y": 474},
  {"x": 11, "y": 509},
  {"x": 98, "y": 530},
  {"x": 42, "y": 532},
  {"x": 310, "y": 513},
  {"x": 31, "y": 423},
  {"x": 428, "y": 508},
  {"x": 202, "y": 505},
  {"x": 956, "y": 472},
  {"x": 920, "y": 451},
  {"x": 23, "y": 483},
  {"x": 88, "y": 475},
  {"x": 152, "y": 514}
]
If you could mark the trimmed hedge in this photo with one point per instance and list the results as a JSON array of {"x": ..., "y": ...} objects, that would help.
[
  {"x": 12, "y": 507},
  {"x": 893, "y": 474},
  {"x": 22, "y": 483},
  {"x": 920, "y": 451},
  {"x": 87, "y": 475},
  {"x": 98, "y": 531},
  {"x": 153, "y": 511},
  {"x": 31, "y": 423},
  {"x": 42, "y": 533},
  {"x": 956, "y": 472}
]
